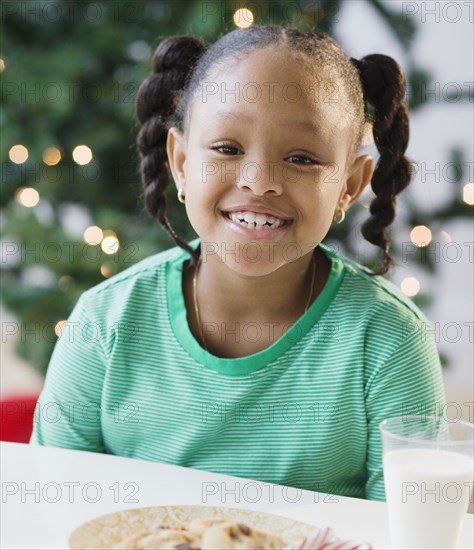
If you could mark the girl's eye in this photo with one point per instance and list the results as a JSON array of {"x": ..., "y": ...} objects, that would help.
[
  {"x": 226, "y": 149},
  {"x": 302, "y": 159}
]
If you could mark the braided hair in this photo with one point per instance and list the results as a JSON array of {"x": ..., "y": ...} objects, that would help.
[
  {"x": 384, "y": 88},
  {"x": 157, "y": 100},
  {"x": 182, "y": 63}
]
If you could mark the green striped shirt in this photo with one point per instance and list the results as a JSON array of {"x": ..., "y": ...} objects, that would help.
[{"x": 128, "y": 378}]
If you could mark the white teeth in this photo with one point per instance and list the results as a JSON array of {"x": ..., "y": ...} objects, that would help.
[
  {"x": 255, "y": 221},
  {"x": 259, "y": 219}
]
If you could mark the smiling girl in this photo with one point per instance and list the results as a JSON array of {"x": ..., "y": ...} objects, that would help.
[{"x": 254, "y": 350}]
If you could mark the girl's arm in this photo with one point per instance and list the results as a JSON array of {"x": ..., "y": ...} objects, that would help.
[
  {"x": 68, "y": 413},
  {"x": 409, "y": 382}
]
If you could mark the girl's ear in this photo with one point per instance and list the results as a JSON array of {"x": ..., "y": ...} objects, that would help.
[
  {"x": 360, "y": 175},
  {"x": 176, "y": 150}
]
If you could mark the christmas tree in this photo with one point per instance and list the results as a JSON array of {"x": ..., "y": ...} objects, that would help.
[{"x": 71, "y": 197}]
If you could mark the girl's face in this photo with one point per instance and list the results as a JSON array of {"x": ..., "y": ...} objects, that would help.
[{"x": 267, "y": 161}]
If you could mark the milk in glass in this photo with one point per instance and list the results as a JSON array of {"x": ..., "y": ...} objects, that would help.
[{"x": 428, "y": 492}]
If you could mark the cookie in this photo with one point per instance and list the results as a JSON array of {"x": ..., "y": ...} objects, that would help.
[
  {"x": 163, "y": 539},
  {"x": 200, "y": 525},
  {"x": 238, "y": 536}
]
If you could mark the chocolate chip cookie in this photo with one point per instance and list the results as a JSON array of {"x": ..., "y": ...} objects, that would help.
[{"x": 238, "y": 536}]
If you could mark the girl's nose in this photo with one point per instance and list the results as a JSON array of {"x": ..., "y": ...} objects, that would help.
[{"x": 261, "y": 178}]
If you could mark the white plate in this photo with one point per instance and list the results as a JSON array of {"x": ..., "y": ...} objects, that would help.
[{"x": 110, "y": 530}]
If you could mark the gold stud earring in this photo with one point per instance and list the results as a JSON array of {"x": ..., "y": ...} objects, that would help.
[
  {"x": 181, "y": 196},
  {"x": 339, "y": 216}
]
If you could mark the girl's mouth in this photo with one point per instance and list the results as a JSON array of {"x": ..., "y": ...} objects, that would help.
[
  {"x": 255, "y": 224},
  {"x": 253, "y": 220}
]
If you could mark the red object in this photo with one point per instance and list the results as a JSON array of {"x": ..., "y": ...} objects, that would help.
[{"x": 16, "y": 418}]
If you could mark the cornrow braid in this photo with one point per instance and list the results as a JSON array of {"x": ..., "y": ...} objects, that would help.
[
  {"x": 384, "y": 86},
  {"x": 157, "y": 101}
]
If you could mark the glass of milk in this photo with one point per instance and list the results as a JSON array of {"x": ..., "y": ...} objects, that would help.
[{"x": 429, "y": 474}]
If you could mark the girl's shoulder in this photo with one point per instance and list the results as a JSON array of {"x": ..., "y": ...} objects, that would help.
[
  {"x": 143, "y": 272},
  {"x": 371, "y": 309},
  {"x": 372, "y": 293}
]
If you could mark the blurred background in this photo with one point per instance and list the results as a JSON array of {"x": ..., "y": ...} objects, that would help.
[{"x": 71, "y": 204}]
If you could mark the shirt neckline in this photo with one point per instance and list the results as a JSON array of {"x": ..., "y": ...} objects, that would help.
[{"x": 245, "y": 365}]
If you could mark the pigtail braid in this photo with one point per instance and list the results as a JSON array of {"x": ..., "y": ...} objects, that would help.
[
  {"x": 384, "y": 87},
  {"x": 157, "y": 102}
]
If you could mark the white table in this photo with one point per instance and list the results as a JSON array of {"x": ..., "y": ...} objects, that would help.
[{"x": 48, "y": 492}]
